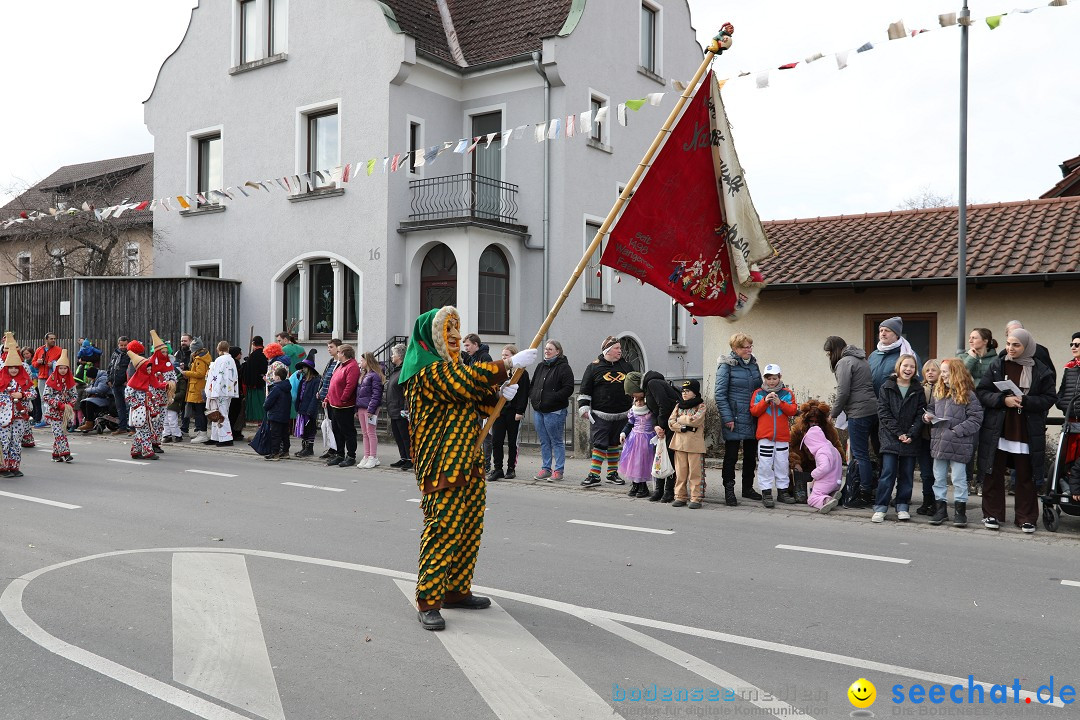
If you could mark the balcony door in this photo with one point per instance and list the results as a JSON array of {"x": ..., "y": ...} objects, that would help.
[{"x": 487, "y": 165}]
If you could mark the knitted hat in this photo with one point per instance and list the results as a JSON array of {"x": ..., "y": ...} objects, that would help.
[
  {"x": 896, "y": 324},
  {"x": 196, "y": 345},
  {"x": 692, "y": 385},
  {"x": 632, "y": 383}
]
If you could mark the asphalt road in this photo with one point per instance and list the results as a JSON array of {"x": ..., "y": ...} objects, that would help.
[{"x": 169, "y": 593}]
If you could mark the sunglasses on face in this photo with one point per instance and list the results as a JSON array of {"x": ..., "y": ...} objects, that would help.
[{"x": 1074, "y": 344}]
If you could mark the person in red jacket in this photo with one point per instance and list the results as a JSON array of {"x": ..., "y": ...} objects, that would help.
[
  {"x": 340, "y": 405},
  {"x": 773, "y": 404}
]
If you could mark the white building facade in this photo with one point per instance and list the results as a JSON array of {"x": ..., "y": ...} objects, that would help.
[{"x": 264, "y": 89}]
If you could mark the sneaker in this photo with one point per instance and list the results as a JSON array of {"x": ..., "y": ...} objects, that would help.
[
  {"x": 544, "y": 474},
  {"x": 990, "y": 523},
  {"x": 494, "y": 475},
  {"x": 1028, "y": 528},
  {"x": 829, "y": 505},
  {"x": 510, "y": 474},
  {"x": 349, "y": 461},
  {"x": 590, "y": 480},
  {"x": 335, "y": 460},
  {"x": 374, "y": 462},
  {"x": 877, "y": 517},
  {"x": 903, "y": 515},
  {"x": 614, "y": 479},
  {"x": 397, "y": 464},
  {"x": 327, "y": 455},
  {"x": 556, "y": 476},
  {"x": 166, "y": 439},
  {"x": 41, "y": 424},
  {"x": 362, "y": 463},
  {"x": 679, "y": 503},
  {"x": 407, "y": 466},
  {"x": 68, "y": 458},
  {"x": 694, "y": 505},
  {"x": 199, "y": 438},
  {"x": 271, "y": 456}
]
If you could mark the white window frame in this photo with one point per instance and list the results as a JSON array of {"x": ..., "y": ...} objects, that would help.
[
  {"x": 411, "y": 120},
  {"x": 128, "y": 247},
  {"x": 303, "y": 113},
  {"x": 193, "y": 139},
  {"x": 192, "y": 267},
  {"x": 262, "y": 38},
  {"x": 303, "y": 264},
  {"x": 269, "y": 21},
  {"x": 606, "y": 273},
  {"x": 29, "y": 266},
  {"x": 658, "y": 38},
  {"x": 605, "y": 127}
]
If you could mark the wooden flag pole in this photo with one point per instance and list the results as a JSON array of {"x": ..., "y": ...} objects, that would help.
[{"x": 627, "y": 192}]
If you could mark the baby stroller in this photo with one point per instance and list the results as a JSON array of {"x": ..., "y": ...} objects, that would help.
[{"x": 1056, "y": 498}]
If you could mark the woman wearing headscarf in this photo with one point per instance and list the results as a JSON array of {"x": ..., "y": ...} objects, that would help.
[{"x": 1013, "y": 433}]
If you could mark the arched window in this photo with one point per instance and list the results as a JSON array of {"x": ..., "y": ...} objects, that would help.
[
  {"x": 320, "y": 299},
  {"x": 494, "y": 315},
  {"x": 631, "y": 353},
  {"x": 438, "y": 278}
]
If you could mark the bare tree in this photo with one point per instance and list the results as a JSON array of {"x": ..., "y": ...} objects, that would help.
[{"x": 926, "y": 198}]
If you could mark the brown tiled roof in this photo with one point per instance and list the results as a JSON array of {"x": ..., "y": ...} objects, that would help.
[
  {"x": 487, "y": 30},
  {"x": 1069, "y": 183},
  {"x": 1029, "y": 239},
  {"x": 101, "y": 183}
]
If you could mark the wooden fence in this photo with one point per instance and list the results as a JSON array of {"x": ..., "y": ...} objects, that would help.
[{"x": 103, "y": 308}]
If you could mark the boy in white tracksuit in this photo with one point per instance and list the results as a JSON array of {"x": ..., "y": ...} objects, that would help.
[{"x": 773, "y": 405}]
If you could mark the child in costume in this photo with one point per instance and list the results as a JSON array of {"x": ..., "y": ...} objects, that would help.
[
  {"x": 222, "y": 387},
  {"x": 34, "y": 399},
  {"x": 444, "y": 397},
  {"x": 175, "y": 409},
  {"x": 307, "y": 404},
  {"x": 687, "y": 425},
  {"x": 636, "y": 459},
  {"x": 816, "y": 449},
  {"x": 15, "y": 389},
  {"x": 162, "y": 385},
  {"x": 59, "y": 400},
  {"x": 137, "y": 395},
  {"x": 773, "y": 404}
]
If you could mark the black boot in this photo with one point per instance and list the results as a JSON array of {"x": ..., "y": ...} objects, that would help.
[
  {"x": 307, "y": 448},
  {"x": 729, "y": 496},
  {"x": 799, "y": 485},
  {"x": 941, "y": 512},
  {"x": 494, "y": 475},
  {"x": 927, "y": 507},
  {"x": 959, "y": 514},
  {"x": 784, "y": 495},
  {"x": 669, "y": 490},
  {"x": 748, "y": 491},
  {"x": 766, "y": 498},
  {"x": 659, "y": 491}
]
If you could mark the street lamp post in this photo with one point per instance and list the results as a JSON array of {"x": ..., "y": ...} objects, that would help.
[{"x": 961, "y": 233}]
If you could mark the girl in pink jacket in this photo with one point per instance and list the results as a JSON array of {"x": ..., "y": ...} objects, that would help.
[{"x": 819, "y": 452}]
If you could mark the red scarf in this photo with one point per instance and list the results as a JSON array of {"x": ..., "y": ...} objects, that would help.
[{"x": 61, "y": 383}]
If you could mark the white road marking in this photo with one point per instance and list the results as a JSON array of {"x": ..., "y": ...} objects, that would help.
[
  {"x": 128, "y": 462},
  {"x": 622, "y": 527},
  {"x": 720, "y": 678},
  {"x": 1070, "y": 582},
  {"x": 314, "y": 487},
  {"x": 48, "y": 450},
  {"x": 841, "y": 553},
  {"x": 54, "y": 503},
  {"x": 11, "y": 607},
  {"x": 210, "y": 472},
  {"x": 518, "y": 677},
  {"x": 218, "y": 643}
]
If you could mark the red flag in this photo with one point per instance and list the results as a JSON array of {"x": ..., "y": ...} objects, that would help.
[{"x": 672, "y": 234}]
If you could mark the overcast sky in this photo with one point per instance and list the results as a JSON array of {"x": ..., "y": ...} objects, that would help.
[{"x": 818, "y": 141}]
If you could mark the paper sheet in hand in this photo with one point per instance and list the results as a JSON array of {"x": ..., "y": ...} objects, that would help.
[
  {"x": 938, "y": 420},
  {"x": 841, "y": 421},
  {"x": 1009, "y": 386}
]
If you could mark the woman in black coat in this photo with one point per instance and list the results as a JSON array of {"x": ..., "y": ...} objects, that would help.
[
  {"x": 505, "y": 427},
  {"x": 1013, "y": 433},
  {"x": 552, "y": 386},
  {"x": 901, "y": 403}
]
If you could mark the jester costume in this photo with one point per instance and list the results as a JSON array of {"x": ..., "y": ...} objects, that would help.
[
  {"x": 137, "y": 395},
  {"x": 15, "y": 402},
  {"x": 59, "y": 400},
  {"x": 159, "y": 390},
  {"x": 444, "y": 397}
]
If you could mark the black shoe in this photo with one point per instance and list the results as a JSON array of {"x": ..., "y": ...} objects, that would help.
[
  {"x": 679, "y": 503},
  {"x": 927, "y": 507},
  {"x": 694, "y": 505},
  {"x": 959, "y": 514},
  {"x": 510, "y": 474},
  {"x": 68, "y": 458},
  {"x": 271, "y": 456},
  {"x": 729, "y": 497},
  {"x": 784, "y": 495},
  {"x": 614, "y": 479},
  {"x": 225, "y": 443},
  {"x": 347, "y": 462},
  {"x": 492, "y": 476},
  {"x": 397, "y": 464},
  {"x": 15, "y": 474},
  {"x": 857, "y": 503},
  {"x": 633, "y": 490},
  {"x": 590, "y": 480},
  {"x": 751, "y": 494},
  {"x": 669, "y": 491},
  {"x": 766, "y": 499},
  {"x": 158, "y": 450},
  {"x": 658, "y": 492},
  {"x": 6, "y": 474},
  {"x": 407, "y": 465},
  {"x": 306, "y": 450},
  {"x": 469, "y": 602},
  {"x": 335, "y": 460},
  {"x": 431, "y": 620},
  {"x": 327, "y": 455},
  {"x": 990, "y": 523},
  {"x": 941, "y": 512}
]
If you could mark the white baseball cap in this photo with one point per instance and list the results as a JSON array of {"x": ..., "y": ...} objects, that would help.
[{"x": 772, "y": 369}]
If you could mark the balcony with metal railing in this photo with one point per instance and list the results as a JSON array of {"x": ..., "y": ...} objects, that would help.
[{"x": 463, "y": 199}]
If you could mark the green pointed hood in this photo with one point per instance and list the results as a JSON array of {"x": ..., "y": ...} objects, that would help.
[{"x": 425, "y": 345}]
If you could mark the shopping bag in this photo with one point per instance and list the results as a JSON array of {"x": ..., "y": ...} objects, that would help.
[
  {"x": 298, "y": 428},
  {"x": 661, "y": 464},
  {"x": 261, "y": 442},
  {"x": 328, "y": 435}
]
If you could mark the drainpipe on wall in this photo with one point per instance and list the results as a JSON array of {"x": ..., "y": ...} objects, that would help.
[{"x": 547, "y": 188}]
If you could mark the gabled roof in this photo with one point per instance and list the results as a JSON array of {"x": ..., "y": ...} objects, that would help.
[
  {"x": 1016, "y": 241},
  {"x": 100, "y": 183},
  {"x": 487, "y": 30},
  {"x": 1069, "y": 183}
]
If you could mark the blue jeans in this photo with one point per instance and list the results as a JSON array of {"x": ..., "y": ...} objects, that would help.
[
  {"x": 959, "y": 480},
  {"x": 860, "y": 469},
  {"x": 899, "y": 471},
  {"x": 550, "y": 428},
  {"x": 121, "y": 407},
  {"x": 927, "y": 469}
]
